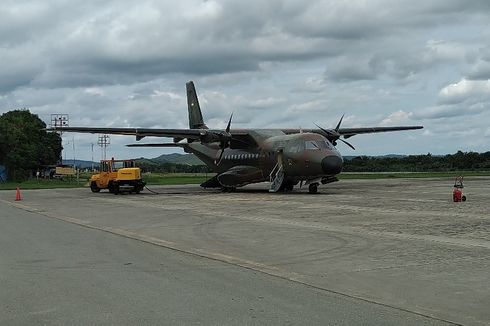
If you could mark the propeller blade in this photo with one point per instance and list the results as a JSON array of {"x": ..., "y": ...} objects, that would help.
[
  {"x": 218, "y": 161},
  {"x": 338, "y": 125},
  {"x": 229, "y": 124},
  {"x": 334, "y": 134},
  {"x": 347, "y": 143},
  {"x": 326, "y": 131}
]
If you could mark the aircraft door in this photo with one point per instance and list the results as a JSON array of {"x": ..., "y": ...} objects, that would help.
[
  {"x": 267, "y": 160},
  {"x": 293, "y": 159}
]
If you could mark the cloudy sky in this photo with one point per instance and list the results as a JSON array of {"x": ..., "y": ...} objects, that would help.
[{"x": 272, "y": 63}]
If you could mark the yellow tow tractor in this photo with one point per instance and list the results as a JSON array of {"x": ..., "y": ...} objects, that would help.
[{"x": 117, "y": 176}]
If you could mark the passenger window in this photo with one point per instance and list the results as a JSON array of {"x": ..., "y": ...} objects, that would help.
[{"x": 295, "y": 147}]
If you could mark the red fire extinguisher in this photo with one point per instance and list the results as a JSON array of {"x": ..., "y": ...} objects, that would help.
[{"x": 458, "y": 190}]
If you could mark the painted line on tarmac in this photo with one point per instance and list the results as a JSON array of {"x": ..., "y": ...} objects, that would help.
[{"x": 231, "y": 260}]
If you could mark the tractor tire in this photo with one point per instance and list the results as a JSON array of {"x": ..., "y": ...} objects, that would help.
[
  {"x": 93, "y": 187},
  {"x": 113, "y": 188}
]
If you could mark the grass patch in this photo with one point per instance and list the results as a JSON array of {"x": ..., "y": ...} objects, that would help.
[
  {"x": 71, "y": 182},
  {"x": 389, "y": 175},
  {"x": 43, "y": 184}
]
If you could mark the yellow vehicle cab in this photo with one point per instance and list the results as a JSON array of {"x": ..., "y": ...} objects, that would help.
[{"x": 117, "y": 176}]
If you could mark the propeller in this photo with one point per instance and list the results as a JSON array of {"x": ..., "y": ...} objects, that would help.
[
  {"x": 334, "y": 134},
  {"x": 224, "y": 141}
]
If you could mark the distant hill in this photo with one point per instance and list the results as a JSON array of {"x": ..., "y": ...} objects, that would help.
[
  {"x": 177, "y": 158},
  {"x": 350, "y": 157},
  {"x": 191, "y": 159}
]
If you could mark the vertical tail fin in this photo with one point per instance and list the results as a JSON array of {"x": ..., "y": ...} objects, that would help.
[{"x": 195, "y": 116}]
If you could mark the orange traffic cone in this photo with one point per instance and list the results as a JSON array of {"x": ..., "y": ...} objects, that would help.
[{"x": 17, "y": 195}]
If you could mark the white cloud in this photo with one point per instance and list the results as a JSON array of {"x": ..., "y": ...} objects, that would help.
[
  {"x": 272, "y": 63},
  {"x": 170, "y": 95},
  {"x": 444, "y": 50},
  {"x": 95, "y": 91},
  {"x": 396, "y": 118},
  {"x": 465, "y": 89},
  {"x": 487, "y": 132}
]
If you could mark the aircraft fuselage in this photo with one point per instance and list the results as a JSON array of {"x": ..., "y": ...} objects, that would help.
[{"x": 303, "y": 157}]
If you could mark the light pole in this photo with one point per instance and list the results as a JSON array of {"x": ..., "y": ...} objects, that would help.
[
  {"x": 60, "y": 120},
  {"x": 103, "y": 141},
  {"x": 92, "y": 144},
  {"x": 73, "y": 144}
]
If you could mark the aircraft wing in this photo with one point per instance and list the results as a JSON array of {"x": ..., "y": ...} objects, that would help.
[
  {"x": 349, "y": 132},
  {"x": 138, "y": 132},
  {"x": 240, "y": 138},
  {"x": 209, "y": 135}
]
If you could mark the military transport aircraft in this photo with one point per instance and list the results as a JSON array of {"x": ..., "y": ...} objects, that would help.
[{"x": 284, "y": 157}]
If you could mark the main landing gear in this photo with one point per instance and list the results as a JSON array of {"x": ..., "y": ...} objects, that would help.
[{"x": 313, "y": 188}]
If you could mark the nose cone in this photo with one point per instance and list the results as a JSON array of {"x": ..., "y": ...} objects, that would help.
[{"x": 332, "y": 164}]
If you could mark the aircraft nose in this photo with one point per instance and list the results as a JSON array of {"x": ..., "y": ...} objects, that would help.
[{"x": 332, "y": 164}]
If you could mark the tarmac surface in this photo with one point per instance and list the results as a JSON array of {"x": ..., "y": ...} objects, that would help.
[{"x": 370, "y": 252}]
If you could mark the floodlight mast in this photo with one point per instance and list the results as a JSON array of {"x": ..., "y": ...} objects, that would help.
[
  {"x": 60, "y": 120},
  {"x": 103, "y": 141}
]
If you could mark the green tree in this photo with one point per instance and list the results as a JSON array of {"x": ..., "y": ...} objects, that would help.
[{"x": 24, "y": 144}]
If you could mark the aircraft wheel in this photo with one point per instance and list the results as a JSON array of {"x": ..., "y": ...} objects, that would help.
[{"x": 313, "y": 188}]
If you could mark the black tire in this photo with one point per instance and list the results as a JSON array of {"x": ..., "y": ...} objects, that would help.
[
  {"x": 313, "y": 188},
  {"x": 113, "y": 188},
  {"x": 93, "y": 187},
  {"x": 463, "y": 198}
]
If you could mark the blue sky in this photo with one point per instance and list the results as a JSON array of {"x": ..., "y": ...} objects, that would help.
[{"x": 271, "y": 63}]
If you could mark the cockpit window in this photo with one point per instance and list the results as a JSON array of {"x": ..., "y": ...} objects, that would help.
[
  {"x": 317, "y": 144},
  {"x": 328, "y": 144},
  {"x": 295, "y": 146},
  {"x": 310, "y": 144}
]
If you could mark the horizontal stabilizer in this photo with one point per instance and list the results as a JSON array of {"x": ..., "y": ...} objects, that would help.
[{"x": 159, "y": 145}]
